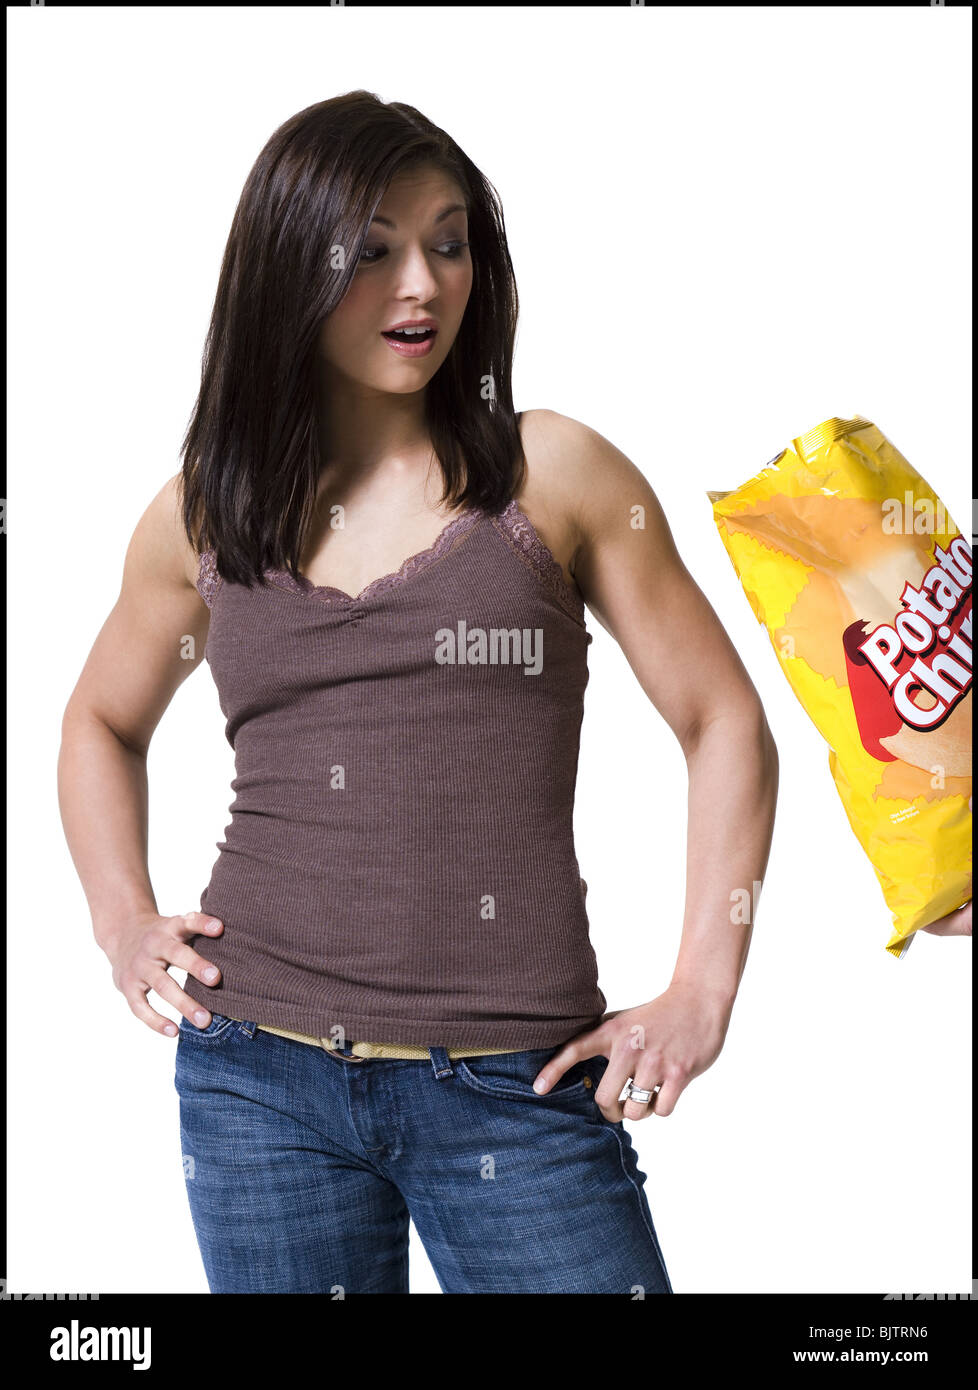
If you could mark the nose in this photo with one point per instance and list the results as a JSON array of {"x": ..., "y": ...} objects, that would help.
[{"x": 415, "y": 279}]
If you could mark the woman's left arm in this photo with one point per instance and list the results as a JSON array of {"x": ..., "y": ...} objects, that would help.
[{"x": 634, "y": 582}]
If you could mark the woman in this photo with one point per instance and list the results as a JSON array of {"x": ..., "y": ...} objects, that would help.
[{"x": 391, "y": 1004}]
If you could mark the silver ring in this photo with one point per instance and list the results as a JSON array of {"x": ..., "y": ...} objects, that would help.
[{"x": 637, "y": 1093}]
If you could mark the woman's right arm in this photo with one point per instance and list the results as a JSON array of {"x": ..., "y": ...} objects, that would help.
[{"x": 139, "y": 658}]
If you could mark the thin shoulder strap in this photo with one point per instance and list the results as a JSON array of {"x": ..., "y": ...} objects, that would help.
[{"x": 208, "y": 579}]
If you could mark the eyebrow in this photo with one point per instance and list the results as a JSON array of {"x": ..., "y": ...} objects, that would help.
[{"x": 446, "y": 212}]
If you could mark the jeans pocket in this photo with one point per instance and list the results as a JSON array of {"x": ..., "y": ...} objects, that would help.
[
  {"x": 510, "y": 1075},
  {"x": 219, "y": 1027}
]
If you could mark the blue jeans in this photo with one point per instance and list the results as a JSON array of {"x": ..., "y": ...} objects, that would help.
[{"x": 302, "y": 1168}]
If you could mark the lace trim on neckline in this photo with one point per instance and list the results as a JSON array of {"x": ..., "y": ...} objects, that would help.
[
  {"x": 512, "y": 523},
  {"x": 328, "y": 593},
  {"x": 519, "y": 531},
  {"x": 208, "y": 578}
]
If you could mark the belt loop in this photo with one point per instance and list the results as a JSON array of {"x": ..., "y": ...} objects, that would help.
[
  {"x": 441, "y": 1066},
  {"x": 249, "y": 1029}
]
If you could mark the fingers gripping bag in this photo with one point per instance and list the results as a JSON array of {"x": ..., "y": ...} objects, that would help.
[{"x": 863, "y": 582}]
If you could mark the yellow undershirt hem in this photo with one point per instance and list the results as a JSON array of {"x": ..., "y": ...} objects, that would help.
[{"x": 406, "y": 1051}]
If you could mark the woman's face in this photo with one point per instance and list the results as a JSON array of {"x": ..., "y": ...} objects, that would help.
[{"x": 415, "y": 265}]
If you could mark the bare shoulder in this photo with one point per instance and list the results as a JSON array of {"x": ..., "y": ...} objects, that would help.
[
  {"x": 159, "y": 549},
  {"x": 581, "y": 484}
]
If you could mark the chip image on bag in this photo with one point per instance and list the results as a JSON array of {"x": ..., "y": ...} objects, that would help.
[{"x": 863, "y": 582}]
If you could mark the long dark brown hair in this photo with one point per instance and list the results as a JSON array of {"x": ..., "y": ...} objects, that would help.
[{"x": 252, "y": 454}]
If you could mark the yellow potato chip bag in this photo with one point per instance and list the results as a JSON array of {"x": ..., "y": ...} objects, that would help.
[{"x": 863, "y": 582}]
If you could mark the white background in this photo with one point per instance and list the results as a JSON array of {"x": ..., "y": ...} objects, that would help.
[{"x": 727, "y": 226}]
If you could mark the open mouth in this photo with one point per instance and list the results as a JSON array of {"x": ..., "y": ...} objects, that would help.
[{"x": 408, "y": 335}]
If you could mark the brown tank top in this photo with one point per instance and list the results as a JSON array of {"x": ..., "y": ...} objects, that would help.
[{"x": 400, "y": 860}]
